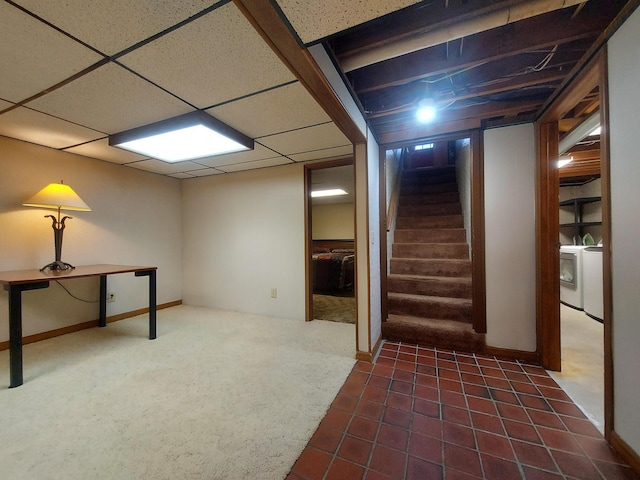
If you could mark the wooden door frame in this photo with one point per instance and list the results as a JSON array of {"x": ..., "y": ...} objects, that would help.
[
  {"x": 308, "y": 235},
  {"x": 594, "y": 74}
]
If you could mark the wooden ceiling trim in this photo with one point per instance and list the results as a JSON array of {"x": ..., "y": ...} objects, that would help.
[
  {"x": 267, "y": 21},
  {"x": 532, "y": 34},
  {"x": 411, "y": 133}
]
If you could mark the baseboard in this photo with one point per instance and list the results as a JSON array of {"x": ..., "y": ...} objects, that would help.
[
  {"x": 84, "y": 325},
  {"x": 626, "y": 452},
  {"x": 508, "y": 354},
  {"x": 369, "y": 356}
]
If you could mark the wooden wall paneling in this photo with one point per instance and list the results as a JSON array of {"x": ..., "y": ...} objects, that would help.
[{"x": 478, "y": 274}]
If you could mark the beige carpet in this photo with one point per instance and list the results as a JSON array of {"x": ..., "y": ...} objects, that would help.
[{"x": 218, "y": 395}]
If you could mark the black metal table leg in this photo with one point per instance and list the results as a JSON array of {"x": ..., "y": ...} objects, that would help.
[
  {"x": 102, "y": 319},
  {"x": 152, "y": 300},
  {"x": 15, "y": 329}
]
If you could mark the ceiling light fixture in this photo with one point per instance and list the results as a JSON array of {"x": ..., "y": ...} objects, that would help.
[
  {"x": 595, "y": 132},
  {"x": 562, "y": 161},
  {"x": 328, "y": 193},
  {"x": 189, "y": 136},
  {"x": 426, "y": 110}
]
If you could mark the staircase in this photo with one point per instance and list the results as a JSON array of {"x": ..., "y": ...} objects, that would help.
[{"x": 429, "y": 286}]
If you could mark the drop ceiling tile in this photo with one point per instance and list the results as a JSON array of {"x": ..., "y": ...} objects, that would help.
[
  {"x": 101, "y": 150},
  {"x": 110, "y": 99},
  {"x": 278, "y": 110},
  {"x": 259, "y": 152},
  {"x": 216, "y": 58},
  {"x": 44, "y": 58},
  {"x": 164, "y": 168},
  {"x": 111, "y": 26},
  {"x": 205, "y": 172},
  {"x": 181, "y": 176},
  {"x": 4, "y": 105},
  {"x": 313, "y": 20},
  {"x": 269, "y": 162},
  {"x": 307, "y": 139},
  {"x": 324, "y": 154},
  {"x": 35, "y": 127}
]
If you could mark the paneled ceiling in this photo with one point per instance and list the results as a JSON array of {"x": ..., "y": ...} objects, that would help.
[{"x": 76, "y": 71}]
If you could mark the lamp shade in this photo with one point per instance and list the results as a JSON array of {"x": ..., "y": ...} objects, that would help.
[{"x": 58, "y": 196}]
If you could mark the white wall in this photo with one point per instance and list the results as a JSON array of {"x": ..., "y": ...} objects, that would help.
[
  {"x": 463, "y": 177},
  {"x": 624, "y": 71},
  {"x": 373, "y": 157},
  {"x": 135, "y": 220},
  {"x": 243, "y": 234},
  {"x": 333, "y": 221},
  {"x": 509, "y": 172},
  {"x": 392, "y": 172}
]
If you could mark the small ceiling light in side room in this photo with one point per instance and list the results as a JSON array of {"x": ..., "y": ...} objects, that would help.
[
  {"x": 565, "y": 160},
  {"x": 328, "y": 193},
  {"x": 189, "y": 136},
  {"x": 595, "y": 132},
  {"x": 426, "y": 110}
]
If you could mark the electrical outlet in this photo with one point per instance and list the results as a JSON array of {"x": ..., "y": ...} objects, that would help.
[
  {"x": 111, "y": 297},
  {"x": 274, "y": 293}
]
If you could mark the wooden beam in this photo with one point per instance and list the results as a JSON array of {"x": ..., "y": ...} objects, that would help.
[
  {"x": 275, "y": 32},
  {"x": 414, "y": 20},
  {"x": 527, "y": 35}
]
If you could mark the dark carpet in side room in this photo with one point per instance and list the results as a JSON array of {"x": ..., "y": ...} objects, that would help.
[{"x": 335, "y": 308}]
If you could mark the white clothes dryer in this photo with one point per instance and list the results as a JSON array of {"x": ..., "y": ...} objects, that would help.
[{"x": 571, "y": 282}]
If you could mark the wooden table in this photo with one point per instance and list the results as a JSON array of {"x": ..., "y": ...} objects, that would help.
[{"x": 16, "y": 282}]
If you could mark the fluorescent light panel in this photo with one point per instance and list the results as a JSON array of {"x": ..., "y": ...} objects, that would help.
[
  {"x": 187, "y": 137},
  {"x": 328, "y": 193}
]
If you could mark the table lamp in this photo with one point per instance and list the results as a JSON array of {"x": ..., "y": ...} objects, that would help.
[{"x": 62, "y": 197}]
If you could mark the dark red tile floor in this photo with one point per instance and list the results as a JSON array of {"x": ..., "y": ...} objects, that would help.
[{"x": 424, "y": 413}]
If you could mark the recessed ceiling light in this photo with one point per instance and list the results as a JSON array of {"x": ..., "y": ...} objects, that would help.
[
  {"x": 328, "y": 193},
  {"x": 189, "y": 136}
]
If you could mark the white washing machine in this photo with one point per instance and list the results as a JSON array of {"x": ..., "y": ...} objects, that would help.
[
  {"x": 571, "y": 283},
  {"x": 592, "y": 291}
]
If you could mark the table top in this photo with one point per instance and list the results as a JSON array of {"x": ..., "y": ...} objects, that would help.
[{"x": 32, "y": 276}]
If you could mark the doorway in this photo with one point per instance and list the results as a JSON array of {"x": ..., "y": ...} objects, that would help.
[
  {"x": 331, "y": 241},
  {"x": 560, "y": 325}
]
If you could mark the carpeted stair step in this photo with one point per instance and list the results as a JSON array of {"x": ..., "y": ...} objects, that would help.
[
  {"x": 433, "y": 333},
  {"x": 410, "y": 179},
  {"x": 454, "y": 287},
  {"x": 431, "y": 250},
  {"x": 428, "y": 189},
  {"x": 428, "y": 198},
  {"x": 436, "y": 221},
  {"x": 441, "y": 235},
  {"x": 429, "y": 210},
  {"x": 431, "y": 267},
  {"x": 458, "y": 309}
]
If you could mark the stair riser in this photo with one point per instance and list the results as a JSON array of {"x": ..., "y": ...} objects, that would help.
[
  {"x": 429, "y": 287},
  {"x": 429, "y": 199},
  {"x": 431, "y": 336},
  {"x": 427, "y": 189},
  {"x": 442, "y": 221},
  {"x": 432, "y": 209},
  {"x": 430, "y": 236},
  {"x": 430, "y": 268},
  {"x": 452, "y": 251},
  {"x": 412, "y": 180},
  {"x": 430, "y": 309}
]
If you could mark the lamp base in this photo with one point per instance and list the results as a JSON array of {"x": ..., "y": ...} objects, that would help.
[{"x": 57, "y": 266}]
